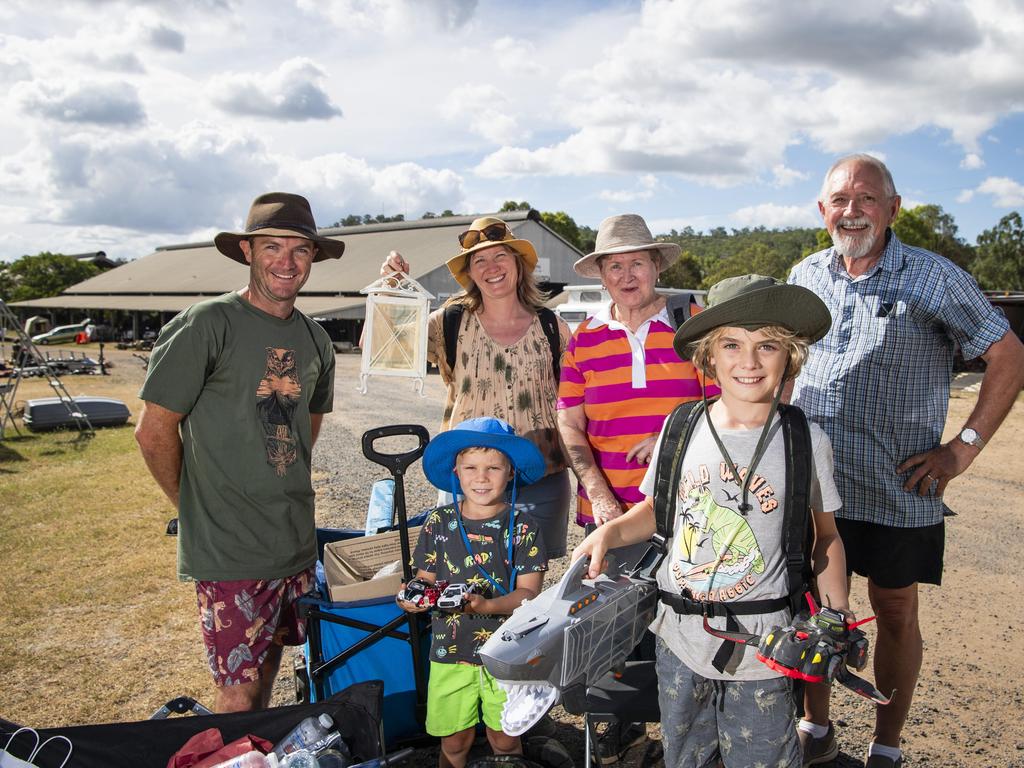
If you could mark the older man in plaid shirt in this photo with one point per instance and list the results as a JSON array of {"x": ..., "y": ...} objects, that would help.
[{"x": 878, "y": 384}]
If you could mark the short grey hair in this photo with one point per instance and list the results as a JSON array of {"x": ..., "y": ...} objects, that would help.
[{"x": 860, "y": 157}]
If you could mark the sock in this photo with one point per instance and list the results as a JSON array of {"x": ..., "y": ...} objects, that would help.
[
  {"x": 893, "y": 753},
  {"x": 816, "y": 731}
]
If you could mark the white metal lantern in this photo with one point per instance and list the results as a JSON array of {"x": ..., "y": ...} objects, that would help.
[{"x": 395, "y": 335}]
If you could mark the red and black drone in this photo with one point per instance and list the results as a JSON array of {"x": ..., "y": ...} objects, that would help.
[{"x": 816, "y": 648}]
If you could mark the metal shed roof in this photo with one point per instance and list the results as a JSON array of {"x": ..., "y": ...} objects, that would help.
[{"x": 175, "y": 277}]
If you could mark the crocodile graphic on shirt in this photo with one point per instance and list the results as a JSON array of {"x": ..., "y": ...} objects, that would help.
[{"x": 735, "y": 551}]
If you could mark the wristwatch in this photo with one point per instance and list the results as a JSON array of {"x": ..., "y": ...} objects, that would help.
[{"x": 970, "y": 437}]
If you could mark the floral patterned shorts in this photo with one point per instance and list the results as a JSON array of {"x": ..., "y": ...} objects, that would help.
[{"x": 242, "y": 619}]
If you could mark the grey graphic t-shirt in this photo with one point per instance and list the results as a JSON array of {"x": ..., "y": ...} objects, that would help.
[{"x": 718, "y": 553}]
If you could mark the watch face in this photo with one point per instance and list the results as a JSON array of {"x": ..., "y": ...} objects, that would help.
[{"x": 968, "y": 435}]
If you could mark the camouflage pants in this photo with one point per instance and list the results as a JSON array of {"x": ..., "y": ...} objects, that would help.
[{"x": 743, "y": 723}]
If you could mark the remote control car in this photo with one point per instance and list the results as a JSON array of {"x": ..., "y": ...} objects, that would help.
[
  {"x": 422, "y": 593},
  {"x": 815, "y": 648}
]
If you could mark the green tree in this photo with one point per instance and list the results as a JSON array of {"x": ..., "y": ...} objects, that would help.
[
  {"x": 45, "y": 274},
  {"x": 684, "y": 273},
  {"x": 354, "y": 220},
  {"x": 563, "y": 224},
  {"x": 512, "y": 205},
  {"x": 928, "y": 226},
  {"x": 822, "y": 240},
  {"x": 588, "y": 238},
  {"x": 999, "y": 265},
  {"x": 758, "y": 258}
]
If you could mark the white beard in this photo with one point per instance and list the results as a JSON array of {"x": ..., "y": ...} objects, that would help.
[{"x": 854, "y": 246}]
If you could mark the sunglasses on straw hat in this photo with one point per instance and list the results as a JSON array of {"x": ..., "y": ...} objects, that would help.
[{"x": 491, "y": 233}]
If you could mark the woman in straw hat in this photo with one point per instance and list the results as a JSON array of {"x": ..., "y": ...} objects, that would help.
[
  {"x": 503, "y": 367},
  {"x": 621, "y": 376}
]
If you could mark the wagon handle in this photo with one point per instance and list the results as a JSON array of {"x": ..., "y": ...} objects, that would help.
[{"x": 396, "y": 463}]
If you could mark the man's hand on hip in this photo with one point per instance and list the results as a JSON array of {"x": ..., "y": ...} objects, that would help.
[{"x": 935, "y": 468}]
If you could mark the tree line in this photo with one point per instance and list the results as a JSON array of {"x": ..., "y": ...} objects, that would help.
[{"x": 996, "y": 259}]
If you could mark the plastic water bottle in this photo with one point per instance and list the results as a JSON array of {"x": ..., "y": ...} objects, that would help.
[
  {"x": 250, "y": 760},
  {"x": 382, "y": 503},
  {"x": 300, "y": 758},
  {"x": 304, "y": 735},
  {"x": 334, "y": 758}
]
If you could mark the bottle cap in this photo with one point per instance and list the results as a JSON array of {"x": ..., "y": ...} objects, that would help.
[{"x": 325, "y": 720}]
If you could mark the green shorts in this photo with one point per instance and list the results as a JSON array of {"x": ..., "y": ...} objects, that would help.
[{"x": 456, "y": 695}]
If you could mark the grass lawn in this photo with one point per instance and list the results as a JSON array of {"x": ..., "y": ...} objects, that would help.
[{"x": 94, "y": 625}]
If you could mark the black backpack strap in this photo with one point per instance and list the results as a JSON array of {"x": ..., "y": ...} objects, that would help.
[
  {"x": 685, "y": 604},
  {"x": 799, "y": 538},
  {"x": 452, "y": 324},
  {"x": 676, "y": 435},
  {"x": 549, "y": 323}
]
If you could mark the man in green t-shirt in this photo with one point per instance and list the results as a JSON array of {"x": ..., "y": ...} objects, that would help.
[{"x": 235, "y": 393}]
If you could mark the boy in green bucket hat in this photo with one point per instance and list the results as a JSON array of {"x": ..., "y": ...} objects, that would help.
[{"x": 728, "y": 526}]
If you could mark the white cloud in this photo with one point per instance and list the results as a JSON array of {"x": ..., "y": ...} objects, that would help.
[
  {"x": 486, "y": 111},
  {"x": 784, "y": 177},
  {"x": 645, "y": 188},
  {"x": 198, "y": 179},
  {"x": 965, "y": 196},
  {"x": 107, "y": 104},
  {"x": 775, "y": 216},
  {"x": 1005, "y": 192},
  {"x": 718, "y": 91},
  {"x": 340, "y": 184},
  {"x": 972, "y": 161},
  {"x": 295, "y": 91},
  {"x": 517, "y": 56},
  {"x": 404, "y": 18}
]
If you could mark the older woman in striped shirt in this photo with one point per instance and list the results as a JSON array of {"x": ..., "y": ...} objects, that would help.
[{"x": 620, "y": 375}]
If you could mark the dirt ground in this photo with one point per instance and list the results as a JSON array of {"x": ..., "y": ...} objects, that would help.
[{"x": 968, "y": 702}]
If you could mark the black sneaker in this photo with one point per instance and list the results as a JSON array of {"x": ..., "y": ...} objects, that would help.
[
  {"x": 617, "y": 740},
  {"x": 817, "y": 751}
]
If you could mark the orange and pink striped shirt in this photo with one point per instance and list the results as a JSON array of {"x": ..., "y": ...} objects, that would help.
[{"x": 624, "y": 403}]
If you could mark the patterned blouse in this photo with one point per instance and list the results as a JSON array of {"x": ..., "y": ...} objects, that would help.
[{"x": 515, "y": 383}]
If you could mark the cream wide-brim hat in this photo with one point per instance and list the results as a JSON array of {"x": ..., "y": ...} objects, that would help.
[{"x": 622, "y": 234}]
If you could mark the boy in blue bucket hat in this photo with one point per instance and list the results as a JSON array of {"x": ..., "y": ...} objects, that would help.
[{"x": 480, "y": 541}]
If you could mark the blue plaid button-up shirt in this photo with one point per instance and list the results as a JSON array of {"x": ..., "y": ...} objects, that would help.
[{"x": 878, "y": 383}]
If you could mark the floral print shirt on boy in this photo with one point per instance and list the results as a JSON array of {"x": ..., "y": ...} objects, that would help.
[{"x": 457, "y": 637}]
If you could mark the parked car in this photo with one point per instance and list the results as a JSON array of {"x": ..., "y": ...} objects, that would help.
[
  {"x": 62, "y": 333},
  {"x": 582, "y": 301}
]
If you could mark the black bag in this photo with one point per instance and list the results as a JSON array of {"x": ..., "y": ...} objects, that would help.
[{"x": 356, "y": 712}]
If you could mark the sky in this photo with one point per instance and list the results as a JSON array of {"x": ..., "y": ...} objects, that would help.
[{"x": 130, "y": 125}]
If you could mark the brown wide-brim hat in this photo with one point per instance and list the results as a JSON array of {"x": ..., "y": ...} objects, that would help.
[
  {"x": 279, "y": 214},
  {"x": 756, "y": 301},
  {"x": 459, "y": 265},
  {"x": 622, "y": 234}
]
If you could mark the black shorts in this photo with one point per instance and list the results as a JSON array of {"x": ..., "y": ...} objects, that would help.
[{"x": 893, "y": 558}]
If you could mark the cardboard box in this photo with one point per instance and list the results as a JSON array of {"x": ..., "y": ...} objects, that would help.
[{"x": 349, "y": 566}]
